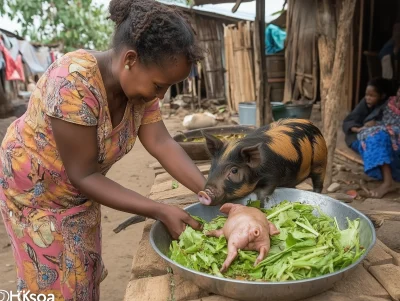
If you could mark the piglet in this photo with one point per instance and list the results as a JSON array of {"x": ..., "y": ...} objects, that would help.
[
  {"x": 281, "y": 154},
  {"x": 246, "y": 228}
]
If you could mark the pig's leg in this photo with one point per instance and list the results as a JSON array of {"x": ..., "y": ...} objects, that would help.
[
  {"x": 272, "y": 229},
  {"x": 215, "y": 233},
  {"x": 232, "y": 253},
  {"x": 261, "y": 256},
  {"x": 317, "y": 176}
]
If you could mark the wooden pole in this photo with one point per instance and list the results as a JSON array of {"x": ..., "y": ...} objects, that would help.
[
  {"x": 264, "y": 107},
  {"x": 332, "y": 105},
  {"x": 199, "y": 85},
  {"x": 326, "y": 32},
  {"x": 359, "y": 55}
]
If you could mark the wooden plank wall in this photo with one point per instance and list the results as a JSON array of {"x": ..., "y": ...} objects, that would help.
[
  {"x": 302, "y": 61},
  {"x": 211, "y": 37},
  {"x": 301, "y": 54}
]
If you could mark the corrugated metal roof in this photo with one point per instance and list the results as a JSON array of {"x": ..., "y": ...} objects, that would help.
[
  {"x": 202, "y": 2},
  {"x": 246, "y": 11}
]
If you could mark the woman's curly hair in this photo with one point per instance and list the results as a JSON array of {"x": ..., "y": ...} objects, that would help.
[{"x": 154, "y": 30}]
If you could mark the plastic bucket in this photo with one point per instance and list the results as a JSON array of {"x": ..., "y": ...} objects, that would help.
[
  {"x": 247, "y": 113},
  {"x": 278, "y": 110}
]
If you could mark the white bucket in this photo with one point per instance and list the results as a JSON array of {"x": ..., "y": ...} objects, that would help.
[{"x": 247, "y": 113}]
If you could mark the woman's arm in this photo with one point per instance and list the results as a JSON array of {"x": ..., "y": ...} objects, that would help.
[
  {"x": 77, "y": 146},
  {"x": 159, "y": 143}
]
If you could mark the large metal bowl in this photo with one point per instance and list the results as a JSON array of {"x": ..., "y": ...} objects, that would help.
[{"x": 269, "y": 291}]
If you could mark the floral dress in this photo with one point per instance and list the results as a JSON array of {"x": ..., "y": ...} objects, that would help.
[
  {"x": 380, "y": 144},
  {"x": 54, "y": 230}
]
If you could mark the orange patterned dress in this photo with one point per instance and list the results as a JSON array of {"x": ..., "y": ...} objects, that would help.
[{"x": 55, "y": 231}]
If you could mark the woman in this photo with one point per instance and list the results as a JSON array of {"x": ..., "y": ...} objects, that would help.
[
  {"x": 372, "y": 130},
  {"x": 83, "y": 116}
]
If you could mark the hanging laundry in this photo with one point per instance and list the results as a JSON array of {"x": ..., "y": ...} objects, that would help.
[
  {"x": 2, "y": 61},
  {"x": 44, "y": 58},
  {"x": 30, "y": 57},
  {"x": 274, "y": 39},
  {"x": 14, "y": 68},
  {"x": 14, "y": 50}
]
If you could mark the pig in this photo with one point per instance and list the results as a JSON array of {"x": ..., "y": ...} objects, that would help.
[
  {"x": 282, "y": 154},
  {"x": 246, "y": 228}
]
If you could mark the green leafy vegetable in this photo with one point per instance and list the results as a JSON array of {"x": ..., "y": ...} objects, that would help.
[
  {"x": 309, "y": 245},
  {"x": 175, "y": 184}
]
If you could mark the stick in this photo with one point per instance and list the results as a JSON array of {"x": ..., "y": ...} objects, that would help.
[
  {"x": 350, "y": 157},
  {"x": 382, "y": 215},
  {"x": 130, "y": 221}
]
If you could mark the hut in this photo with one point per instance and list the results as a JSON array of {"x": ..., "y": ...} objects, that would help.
[
  {"x": 236, "y": 52},
  {"x": 371, "y": 29}
]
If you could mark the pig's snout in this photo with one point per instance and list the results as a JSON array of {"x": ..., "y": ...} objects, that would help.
[{"x": 204, "y": 198}]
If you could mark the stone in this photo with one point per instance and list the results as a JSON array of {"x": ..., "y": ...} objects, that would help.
[
  {"x": 377, "y": 256},
  {"x": 185, "y": 290},
  {"x": 394, "y": 254},
  {"x": 161, "y": 288},
  {"x": 146, "y": 261},
  {"x": 215, "y": 298},
  {"x": 149, "y": 289},
  {"x": 335, "y": 296},
  {"x": 389, "y": 276},
  {"x": 304, "y": 186},
  {"x": 360, "y": 282},
  {"x": 333, "y": 187}
]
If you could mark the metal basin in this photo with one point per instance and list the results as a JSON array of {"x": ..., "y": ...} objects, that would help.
[
  {"x": 198, "y": 150},
  {"x": 269, "y": 291}
]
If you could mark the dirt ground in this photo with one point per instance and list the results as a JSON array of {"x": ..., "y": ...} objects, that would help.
[
  {"x": 118, "y": 249},
  {"x": 132, "y": 172}
]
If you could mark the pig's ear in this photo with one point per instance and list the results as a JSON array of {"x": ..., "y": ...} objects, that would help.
[
  {"x": 252, "y": 155},
  {"x": 213, "y": 144}
]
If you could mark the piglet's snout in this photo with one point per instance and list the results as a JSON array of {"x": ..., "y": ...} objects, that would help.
[{"x": 204, "y": 198}]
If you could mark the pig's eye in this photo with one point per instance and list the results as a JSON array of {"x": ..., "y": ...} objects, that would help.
[{"x": 234, "y": 171}]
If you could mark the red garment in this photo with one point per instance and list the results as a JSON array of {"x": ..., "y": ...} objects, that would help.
[
  {"x": 14, "y": 69},
  {"x": 52, "y": 56}
]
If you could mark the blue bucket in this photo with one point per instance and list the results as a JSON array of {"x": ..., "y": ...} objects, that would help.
[{"x": 247, "y": 113}]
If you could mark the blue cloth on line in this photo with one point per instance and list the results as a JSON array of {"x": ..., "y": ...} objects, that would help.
[{"x": 274, "y": 39}]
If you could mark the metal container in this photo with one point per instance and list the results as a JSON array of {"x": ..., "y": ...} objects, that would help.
[
  {"x": 197, "y": 150},
  {"x": 269, "y": 291},
  {"x": 281, "y": 110},
  {"x": 247, "y": 113}
]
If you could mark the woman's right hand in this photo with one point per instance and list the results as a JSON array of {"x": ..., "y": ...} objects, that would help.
[{"x": 176, "y": 219}]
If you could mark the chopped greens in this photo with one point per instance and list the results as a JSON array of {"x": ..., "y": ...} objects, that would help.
[
  {"x": 175, "y": 184},
  {"x": 308, "y": 246}
]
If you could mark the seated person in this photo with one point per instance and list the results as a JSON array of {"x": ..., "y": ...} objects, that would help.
[{"x": 373, "y": 130}]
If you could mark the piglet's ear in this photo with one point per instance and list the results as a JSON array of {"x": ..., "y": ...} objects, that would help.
[
  {"x": 252, "y": 155},
  {"x": 213, "y": 144}
]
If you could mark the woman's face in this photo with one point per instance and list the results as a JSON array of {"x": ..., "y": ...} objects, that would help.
[
  {"x": 372, "y": 97},
  {"x": 143, "y": 83}
]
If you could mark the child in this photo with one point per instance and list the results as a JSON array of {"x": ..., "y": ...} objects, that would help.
[{"x": 372, "y": 130}]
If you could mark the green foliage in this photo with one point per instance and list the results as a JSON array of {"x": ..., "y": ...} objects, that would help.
[{"x": 73, "y": 23}]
